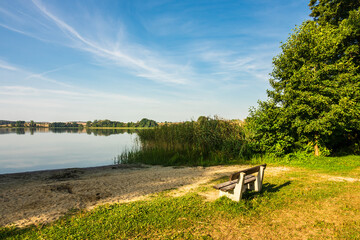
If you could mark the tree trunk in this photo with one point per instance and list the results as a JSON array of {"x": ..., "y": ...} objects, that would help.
[
  {"x": 316, "y": 146},
  {"x": 316, "y": 150}
]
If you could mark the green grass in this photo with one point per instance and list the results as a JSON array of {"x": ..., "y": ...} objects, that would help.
[
  {"x": 292, "y": 205},
  {"x": 343, "y": 165}
]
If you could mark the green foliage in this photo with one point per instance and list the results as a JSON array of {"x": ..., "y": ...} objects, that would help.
[
  {"x": 147, "y": 123},
  {"x": 315, "y": 100},
  {"x": 332, "y": 11},
  {"x": 207, "y": 141},
  {"x": 20, "y": 124},
  {"x": 64, "y": 125},
  {"x": 32, "y": 124},
  {"x": 105, "y": 123},
  {"x": 144, "y": 123}
]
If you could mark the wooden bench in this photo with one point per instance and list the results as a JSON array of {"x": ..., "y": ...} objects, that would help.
[{"x": 241, "y": 181}]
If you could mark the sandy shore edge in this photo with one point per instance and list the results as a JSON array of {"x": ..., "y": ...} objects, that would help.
[{"x": 44, "y": 196}]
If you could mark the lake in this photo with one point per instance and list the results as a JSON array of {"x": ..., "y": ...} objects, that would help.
[{"x": 26, "y": 149}]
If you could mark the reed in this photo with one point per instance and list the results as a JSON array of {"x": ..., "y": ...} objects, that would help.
[{"x": 207, "y": 141}]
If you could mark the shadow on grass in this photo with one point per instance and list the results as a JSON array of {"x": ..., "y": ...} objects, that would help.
[
  {"x": 8, "y": 232},
  {"x": 266, "y": 188},
  {"x": 17, "y": 232}
]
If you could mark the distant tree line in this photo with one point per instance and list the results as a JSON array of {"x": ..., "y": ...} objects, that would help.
[
  {"x": 65, "y": 125},
  {"x": 107, "y": 123},
  {"x": 5, "y": 122},
  {"x": 18, "y": 124},
  {"x": 96, "y": 123}
]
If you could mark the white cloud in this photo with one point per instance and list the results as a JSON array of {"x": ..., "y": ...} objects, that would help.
[
  {"x": 85, "y": 94},
  {"x": 7, "y": 66},
  {"x": 142, "y": 67},
  {"x": 34, "y": 76}
]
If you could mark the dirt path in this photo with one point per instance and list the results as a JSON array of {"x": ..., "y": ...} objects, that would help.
[{"x": 41, "y": 197}]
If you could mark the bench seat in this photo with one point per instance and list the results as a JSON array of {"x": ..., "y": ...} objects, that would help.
[{"x": 230, "y": 185}]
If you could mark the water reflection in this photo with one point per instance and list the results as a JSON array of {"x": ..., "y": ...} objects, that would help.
[
  {"x": 96, "y": 132},
  {"x": 26, "y": 149}
]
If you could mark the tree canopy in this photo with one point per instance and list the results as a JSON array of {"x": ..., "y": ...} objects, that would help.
[
  {"x": 315, "y": 97},
  {"x": 332, "y": 11}
]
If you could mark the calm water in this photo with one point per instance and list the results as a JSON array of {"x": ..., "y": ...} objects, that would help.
[{"x": 24, "y": 150}]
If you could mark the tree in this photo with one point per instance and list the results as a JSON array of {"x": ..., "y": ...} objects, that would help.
[
  {"x": 32, "y": 124},
  {"x": 147, "y": 123},
  {"x": 332, "y": 11},
  {"x": 20, "y": 124},
  {"x": 315, "y": 100}
]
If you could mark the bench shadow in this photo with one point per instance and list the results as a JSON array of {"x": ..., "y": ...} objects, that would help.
[{"x": 266, "y": 187}]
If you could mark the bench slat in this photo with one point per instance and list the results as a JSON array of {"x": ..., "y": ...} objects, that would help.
[
  {"x": 230, "y": 185},
  {"x": 221, "y": 185},
  {"x": 246, "y": 171}
]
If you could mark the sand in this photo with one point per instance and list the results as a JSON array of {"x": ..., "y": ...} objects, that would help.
[{"x": 44, "y": 196}]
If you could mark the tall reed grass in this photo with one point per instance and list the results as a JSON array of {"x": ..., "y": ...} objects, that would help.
[{"x": 207, "y": 141}]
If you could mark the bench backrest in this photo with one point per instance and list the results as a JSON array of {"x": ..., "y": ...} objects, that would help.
[{"x": 246, "y": 171}]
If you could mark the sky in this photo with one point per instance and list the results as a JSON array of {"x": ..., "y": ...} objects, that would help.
[{"x": 124, "y": 60}]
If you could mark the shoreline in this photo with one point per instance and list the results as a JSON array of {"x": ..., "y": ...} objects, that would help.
[
  {"x": 141, "y": 128},
  {"x": 49, "y": 171},
  {"x": 41, "y": 197}
]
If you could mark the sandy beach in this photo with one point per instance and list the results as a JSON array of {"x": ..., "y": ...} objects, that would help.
[{"x": 44, "y": 196}]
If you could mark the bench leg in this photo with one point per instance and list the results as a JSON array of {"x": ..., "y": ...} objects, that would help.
[
  {"x": 259, "y": 179},
  {"x": 227, "y": 194},
  {"x": 239, "y": 188}
]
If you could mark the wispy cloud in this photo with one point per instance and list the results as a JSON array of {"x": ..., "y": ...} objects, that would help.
[
  {"x": 238, "y": 67},
  {"x": 7, "y": 66},
  {"x": 143, "y": 62},
  {"x": 87, "y": 94},
  {"x": 142, "y": 67},
  {"x": 35, "y": 76},
  {"x": 39, "y": 75}
]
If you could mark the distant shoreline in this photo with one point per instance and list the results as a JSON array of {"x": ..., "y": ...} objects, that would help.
[{"x": 79, "y": 127}]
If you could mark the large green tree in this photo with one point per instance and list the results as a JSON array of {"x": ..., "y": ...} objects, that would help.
[{"x": 315, "y": 96}]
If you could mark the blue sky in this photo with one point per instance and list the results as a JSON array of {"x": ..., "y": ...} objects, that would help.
[{"x": 124, "y": 60}]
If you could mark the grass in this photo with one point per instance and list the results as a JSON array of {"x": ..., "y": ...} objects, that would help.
[
  {"x": 301, "y": 203},
  {"x": 343, "y": 165}
]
